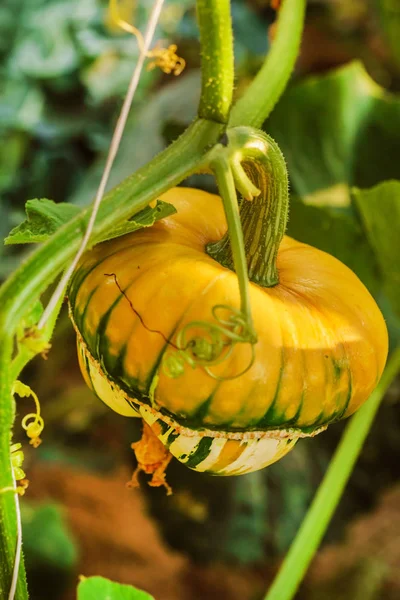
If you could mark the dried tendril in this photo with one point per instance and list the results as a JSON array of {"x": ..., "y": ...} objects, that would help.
[{"x": 165, "y": 58}]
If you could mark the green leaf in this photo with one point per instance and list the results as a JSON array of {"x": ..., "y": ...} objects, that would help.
[
  {"x": 44, "y": 217},
  {"x": 46, "y": 537},
  {"x": 43, "y": 51},
  {"x": 338, "y": 129},
  {"x": 389, "y": 13},
  {"x": 379, "y": 208},
  {"x": 145, "y": 218},
  {"x": 144, "y": 134},
  {"x": 337, "y": 231},
  {"x": 99, "y": 588}
]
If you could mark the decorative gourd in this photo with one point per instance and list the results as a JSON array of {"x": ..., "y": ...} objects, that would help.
[{"x": 320, "y": 351}]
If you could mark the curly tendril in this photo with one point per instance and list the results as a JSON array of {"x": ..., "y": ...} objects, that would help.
[
  {"x": 32, "y": 423},
  {"x": 213, "y": 346}
]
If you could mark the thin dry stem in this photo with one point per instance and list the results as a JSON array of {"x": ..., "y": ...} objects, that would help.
[{"x": 18, "y": 549}]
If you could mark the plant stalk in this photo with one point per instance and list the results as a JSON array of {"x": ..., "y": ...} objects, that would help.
[
  {"x": 264, "y": 217},
  {"x": 8, "y": 517},
  {"x": 264, "y": 91},
  {"x": 217, "y": 68},
  {"x": 226, "y": 187}
]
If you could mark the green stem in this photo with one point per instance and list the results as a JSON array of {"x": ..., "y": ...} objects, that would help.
[
  {"x": 321, "y": 510},
  {"x": 226, "y": 187},
  {"x": 26, "y": 353},
  {"x": 8, "y": 518},
  {"x": 266, "y": 88},
  {"x": 264, "y": 218},
  {"x": 217, "y": 70}
]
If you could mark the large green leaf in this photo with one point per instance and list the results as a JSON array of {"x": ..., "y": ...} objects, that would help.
[
  {"x": 99, "y": 588},
  {"x": 337, "y": 231},
  {"x": 339, "y": 128},
  {"x": 379, "y": 208}
]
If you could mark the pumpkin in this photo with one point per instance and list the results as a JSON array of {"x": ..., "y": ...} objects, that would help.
[{"x": 321, "y": 340}]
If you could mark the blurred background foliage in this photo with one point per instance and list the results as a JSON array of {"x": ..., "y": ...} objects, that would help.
[{"x": 64, "y": 71}]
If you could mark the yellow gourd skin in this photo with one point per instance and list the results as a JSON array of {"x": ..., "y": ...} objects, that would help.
[{"x": 321, "y": 349}]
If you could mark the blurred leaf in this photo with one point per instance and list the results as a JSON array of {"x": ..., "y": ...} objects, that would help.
[
  {"x": 249, "y": 30},
  {"x": 244, "y": 536},
  {"x": 145, "y": 218},
  {"x": 46, "y": 537},
  {"x": 99, "y": 588},
  {"x": 44, "y": 217},
  {"x": 379, "y": 208},
  {"x": 143, "y": 136},
  {"x": 46, "y": 48},
  {"x": 339, "y": 128},
  {"x": 337, "y": 231},
  {"x": 11, "y": 156},
  {"x": 21, "y": 105},
  {"x": 390, "y": 19},
  {"x": 108, "y": 76}
]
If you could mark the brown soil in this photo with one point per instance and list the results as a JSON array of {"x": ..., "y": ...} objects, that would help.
[{"x": 118, "y": 540}]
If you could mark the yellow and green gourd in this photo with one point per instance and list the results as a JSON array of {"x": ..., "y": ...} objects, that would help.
[{"x": 321, "y": 340}]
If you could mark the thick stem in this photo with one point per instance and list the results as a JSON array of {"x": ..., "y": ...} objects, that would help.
[
  {"x": 8, "y": 518},
  {"x": 264, "y": 218},
  {"x": 226, "y": 187},
  {"x": 266, "y": 88},
  {"x": 217, "y": 69},
  {"x": 330, "y": 491}
]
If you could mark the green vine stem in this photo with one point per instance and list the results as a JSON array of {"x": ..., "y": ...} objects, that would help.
[
  {"x": 217, "y": 71},
  {"x": 266, "y": 88},
  {"x": 257, "y": 158},
  {"x": 8, "y": 513},
  {"x": 226, "y": 186},
  {"x": 329, "y": 493}
]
